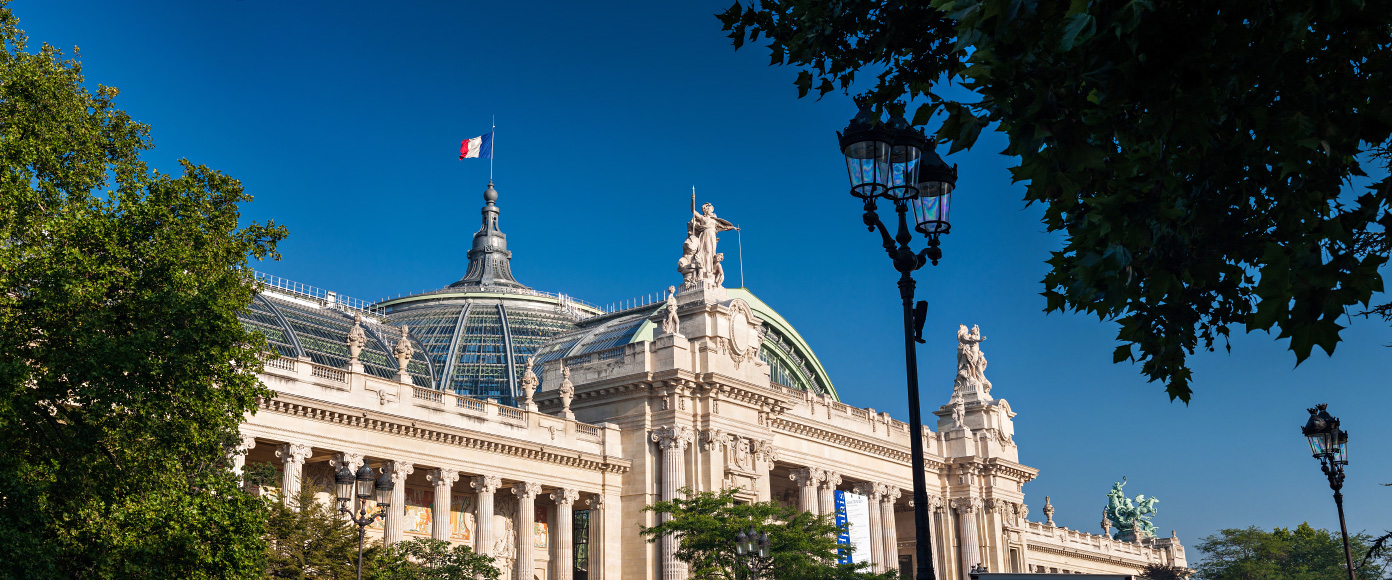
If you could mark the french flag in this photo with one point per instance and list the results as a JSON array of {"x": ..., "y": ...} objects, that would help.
[{"x": 477, "y": 148}]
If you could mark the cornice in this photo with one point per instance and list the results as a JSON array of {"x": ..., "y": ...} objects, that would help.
[
  {"x": 357, "y": 418},
  {"x": 850, "y": 440},
  {"x": 1086, "y": 555}
]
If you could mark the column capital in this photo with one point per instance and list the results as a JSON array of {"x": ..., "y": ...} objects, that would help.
[
  {"x": 293, "y": 453},
  {"x": 867, "y": 489},
  {"x": 526, "y": 490},
  {"x": 596, "y": 501},
  {"x": 486, "y": 483},
  {"x": 565, "y": 495},
  {"x": 399, "y": 471},
  {"x": 442, "y": 477},
  {"x": 831, "y": 479},
  {"x": 677, "y": 437},
  {"x": 807, "y": 476},
  {"x": 352, "y": 460},
  {"x": 246, "y": 443},
  {"x": 890, "y": 493},
  {"x": 966, "y": 505}
]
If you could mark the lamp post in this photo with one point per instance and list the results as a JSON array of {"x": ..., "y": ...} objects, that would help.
[
  {"x": 895, "y": 162},
  {"x": 752, "y": 552},
  {"x": 346, "y": 482},
  {"x": 1329, "y": 444}
]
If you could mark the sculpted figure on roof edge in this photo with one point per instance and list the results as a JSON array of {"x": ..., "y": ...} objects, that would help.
[{"x": 699, "y": 263}]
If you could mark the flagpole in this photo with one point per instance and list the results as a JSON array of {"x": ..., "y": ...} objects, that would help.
[
  {"x": 739, "y": 237},
  {"x": 493, "y": 144}
]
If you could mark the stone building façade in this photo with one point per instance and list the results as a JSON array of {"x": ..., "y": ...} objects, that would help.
[{"x": 552, "y": 483}]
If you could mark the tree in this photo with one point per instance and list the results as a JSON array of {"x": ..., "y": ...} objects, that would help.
[
  {"x": 124, "y": 371},
  {"x": 802, "y": 546},
  {"x": 307, "y": 538},
  {"x": 431, "y": 559},
  {"x": 1163, "y": 572},
  {"x": 1197, "y": 154},
  {"x": 1303, "y": 553}
]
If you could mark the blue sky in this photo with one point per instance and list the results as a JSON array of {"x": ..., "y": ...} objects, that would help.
[{"x": 344, "y": 120}]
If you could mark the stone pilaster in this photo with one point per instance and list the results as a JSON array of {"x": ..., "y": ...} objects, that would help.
[
  {"x": 443, "y": 479},
  {"x": 890, "y": 528},
  {"x": 673, "y": 442},
  {"x": 826, "y": 493},
  {"x": 597, "y": 537},
  {"x": 873, "y": 492},
  {"x": 526, "y": 493},
  {"x": 563, "y": 563},
  {"x": 292, "y": 457},
  {"x": 485, "y": 486},
  {"x": 806, "y": 479},
  {"x": 397, "y": 513},
  {"x": 967, "y": 507}
]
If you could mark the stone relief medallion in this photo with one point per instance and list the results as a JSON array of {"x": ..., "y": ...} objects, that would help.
[{"x": 743, "y": 333}]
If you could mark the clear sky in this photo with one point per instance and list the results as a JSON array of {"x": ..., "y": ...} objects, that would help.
[{"x": 344, "y": 118}]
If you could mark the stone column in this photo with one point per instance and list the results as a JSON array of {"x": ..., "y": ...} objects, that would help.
[
  {"x": 440, "y": 511},
  {"x": 397, "y": 512},
  {"x": 238, "y": 455},
  {"x": 827, "y": 494},
  {"x": 292, "y": 457},
  {"x": 563, "y": 563},
  {"x": 872, "y": 491},
  {"x": 941, "y": 541},
  {"x": 806, "y": 479},
  {"x": 596, "y": 505},
  {"x": 486, "y": 486},
  {"x": 673, "y": 442},
  {"x": 887, "y": 523},
  {"x": 966, "y": 511},
  {"x": 526, "y": 528}
]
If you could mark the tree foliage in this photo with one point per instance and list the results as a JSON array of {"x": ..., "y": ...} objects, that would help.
[
  {"x": 1197, "y": 154},
  {"x": 124, "y": 369},
  {"x": 1163, "y": 572},
  {"x": 802, "y": 546},
  {"x": 431, "y": 559},
  {"x": 307, "y": 538},
  {"x": 1303, "y": 553}
]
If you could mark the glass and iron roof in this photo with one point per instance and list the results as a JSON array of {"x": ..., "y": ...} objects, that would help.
[{"x": 474, "y": 336}]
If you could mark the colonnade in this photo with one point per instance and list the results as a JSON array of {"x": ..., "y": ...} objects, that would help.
[
  {"x": 485, "y": 487},
  {"x": 816, "y": 494}
]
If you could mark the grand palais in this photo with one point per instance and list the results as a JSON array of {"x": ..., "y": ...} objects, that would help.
[{"x": 535, "y": 427}]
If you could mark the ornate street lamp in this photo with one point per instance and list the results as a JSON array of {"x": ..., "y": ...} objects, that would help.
[
  {"x": 752, "y": 552},
  {"x": 366, "y": 484},
  {"x": 1329, "y": 444},
  {"x": 897, "y": 163}
]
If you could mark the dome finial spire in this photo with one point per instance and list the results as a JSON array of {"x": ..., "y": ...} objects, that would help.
[{"x": 489, "y": 260}]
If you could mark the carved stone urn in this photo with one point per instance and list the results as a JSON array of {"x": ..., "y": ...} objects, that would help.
[{"x": 567, "y": 393}]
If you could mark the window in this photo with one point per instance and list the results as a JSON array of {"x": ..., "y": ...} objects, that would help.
[
  {"x": 1014, "y": 560},
  {"x": 906, "y": 569},
  {"x": 580, "y": 521}
]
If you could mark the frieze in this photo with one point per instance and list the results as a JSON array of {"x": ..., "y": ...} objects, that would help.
[
  {"x": 361, "y": 420},
  {"x": 851, "y": 441}
]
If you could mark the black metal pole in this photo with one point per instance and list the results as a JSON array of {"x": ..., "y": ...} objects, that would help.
[
  {"x": 362, "y": 530},
  {"x": 922, "y": 547},
  {"x": 1348, "y": 556}
]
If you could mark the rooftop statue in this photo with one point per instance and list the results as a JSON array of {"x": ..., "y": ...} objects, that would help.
[
  {"x": 700, "y": 263},
  {"x": 971, "y": 380},
  {"x": 1132, "y": 519},
  {"x": 671, "y": 324}
]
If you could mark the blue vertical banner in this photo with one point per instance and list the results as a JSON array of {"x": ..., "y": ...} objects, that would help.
[
  {"x": 844, "y": 539},
  {"x": 853, "y": 512}
]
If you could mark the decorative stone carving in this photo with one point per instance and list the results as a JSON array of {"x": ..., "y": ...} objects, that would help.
[
  {"x": 698, "y": 262},
  {"x": 677, "y": 437},
  {"x": 403, "y": 352},
  {"x": 237, "y": 455},
  {"x": 744, "y": 454},
  {"x": 565, "y": 495},
  {"x": 742, "y": 344},
  {"x": 1048, "y": 512},
  {"x": 357, "y": 339},
  {"x": 959, "y": 411},
  {"x": 764, "y": 451},
  {"x": 567, "y": 390},
  {"x": 971, "y": 381},
  {"x": 671, "y": 324},
  {"x": 352, "y": 460},
  {"x": 486, "y": 483},
  {"x": 1106, "y": 524},
  {"x": 529, "y": 385}
]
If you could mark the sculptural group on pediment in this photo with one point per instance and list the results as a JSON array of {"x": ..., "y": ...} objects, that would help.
[
  {"x": 1132, "y": 520},
  {"x": 700, "y": 263},
  {"x": 971, "y": 365}
]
